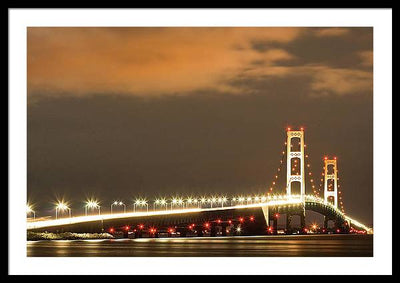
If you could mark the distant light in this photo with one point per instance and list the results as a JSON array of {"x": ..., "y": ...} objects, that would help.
[
  {"x": 29, "y": 208},
  {"x": 276, "y": 215},
  {"x": 111, "y": 230},
  {"x": 126, "y": 227},
  {"x": 238, "y": 229},
  {"x": 241, "y": 219},
  {"x": 251, "y": 218},
  {"x": 92, "y": 203},
  {"x": 62, "y": 206}
]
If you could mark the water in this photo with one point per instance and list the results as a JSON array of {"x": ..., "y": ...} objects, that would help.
[{"x": 284, "y": 246}]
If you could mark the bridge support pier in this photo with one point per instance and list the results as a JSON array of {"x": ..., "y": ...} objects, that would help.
[
  {"x": 223, "y": 229},
  {"x": 213, "y": 230},
  {"x": 326, "y": 219},
  {"x": 273, "y": 222},
  {"x": 289, "y": 229},
  {"x": 303, "y": 222}
]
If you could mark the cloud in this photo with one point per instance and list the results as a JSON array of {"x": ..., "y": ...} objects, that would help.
[
  {"x": 331, "y": 32},
  {"x": 340, "y": 81},
  {"x": 153, "y": 62},
  {"x": 366, "y": 58},
  {"x": 144, "y": 60}
]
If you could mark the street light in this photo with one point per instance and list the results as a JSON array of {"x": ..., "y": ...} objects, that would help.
[
  {"x": 163, "y": 202},
  {"x": 144, "y": 203},
  {"x": 212, "y": 200},
  {"x": 222, "y": 200},
  {"x": 30, "y": 210},
  {"x": 174, "y": 201},
  {"x": 117, "y": 203},
  {"x": 189, "y": 202},
  {"x": 91, "y": 204},
  {"x": 181, "y": 203},
  {"x": 61, "y": 206},
  {"x": 248, "y": 200},
  {"x": 202, "y": 201}
]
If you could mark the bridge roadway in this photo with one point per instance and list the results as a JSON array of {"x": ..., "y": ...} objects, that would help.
[{"x": 252, "y": 218}]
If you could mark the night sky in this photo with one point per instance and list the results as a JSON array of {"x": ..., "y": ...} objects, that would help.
[{"x": 119, "y": 113}]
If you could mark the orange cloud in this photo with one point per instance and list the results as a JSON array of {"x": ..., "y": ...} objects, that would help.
[
  {"x": 331, "y": 32},
  {"x": 145, "y": 61},
  {"x": 366, "y": 58}
]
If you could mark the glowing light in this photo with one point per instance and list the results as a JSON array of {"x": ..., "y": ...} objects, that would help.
[
  {"x": 29, "y": 208},
  {"x": 251, "y": 218},
  {"x": 92, "y": 203},
  {"x": 62, "y": 206}
]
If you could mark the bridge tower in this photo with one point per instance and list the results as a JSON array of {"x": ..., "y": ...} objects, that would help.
[
  {"x": 330, "y": 176},
  {"x": 298, "y": 155}
]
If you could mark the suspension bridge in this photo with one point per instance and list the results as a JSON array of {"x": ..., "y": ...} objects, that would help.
[{"x": 257, "y": 215}]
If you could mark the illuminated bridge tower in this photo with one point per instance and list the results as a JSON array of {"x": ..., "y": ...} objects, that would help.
[
  {"x": 330, "y": 191},
  {"x": 295, "y": 155}
]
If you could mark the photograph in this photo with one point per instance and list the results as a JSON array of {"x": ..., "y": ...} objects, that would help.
[
  {"x": 191, "y": 141},
  {"x": 200, "y": 141}
]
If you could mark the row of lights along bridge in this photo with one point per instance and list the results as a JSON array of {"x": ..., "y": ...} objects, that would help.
[{"x": 93, "y": 206}]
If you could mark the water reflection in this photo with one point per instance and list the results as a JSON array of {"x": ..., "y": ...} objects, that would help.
[{"x": 296, "y": 245}]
